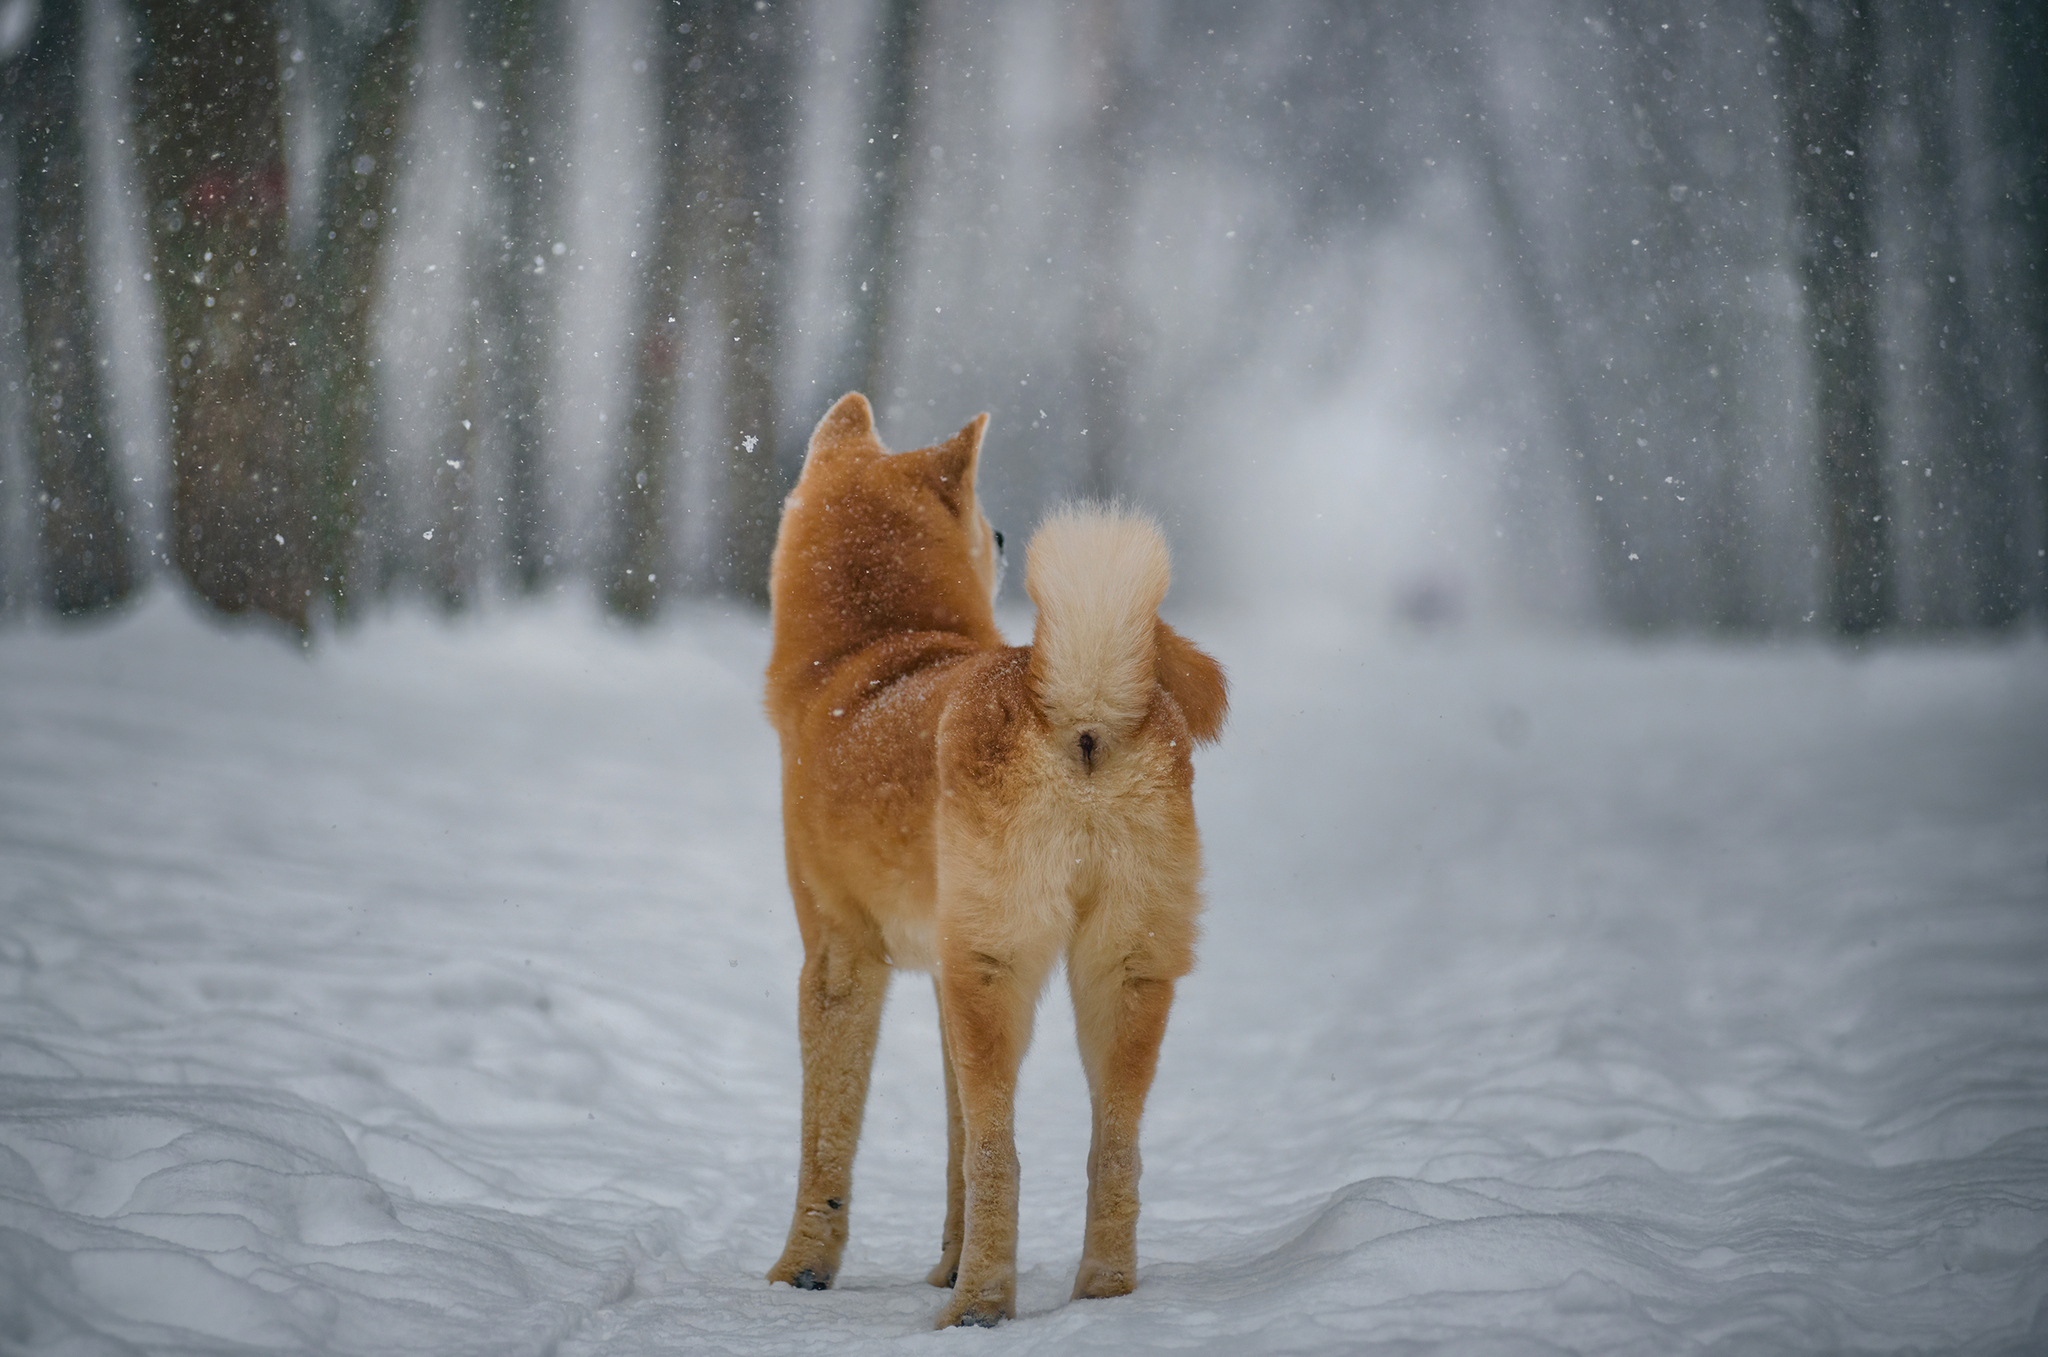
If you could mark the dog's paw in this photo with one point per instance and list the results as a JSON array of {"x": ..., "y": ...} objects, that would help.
[
  {"x": 1095, "y": 1281},
  {"x": 971, "y": 1317},
  {"x": 947, "y": 1272},
  {"x": 982, "y": 1312},
  {"x": 802, "y": 1278}
]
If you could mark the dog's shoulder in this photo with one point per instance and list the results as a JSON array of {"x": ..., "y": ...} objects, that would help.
[{"x": 899, "y": 672}]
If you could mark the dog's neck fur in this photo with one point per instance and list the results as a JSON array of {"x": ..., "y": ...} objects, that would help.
[{"x": 855, "y": 568}]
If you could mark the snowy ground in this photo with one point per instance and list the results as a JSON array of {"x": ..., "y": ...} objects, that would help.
[{"x": 434, "y": 994}]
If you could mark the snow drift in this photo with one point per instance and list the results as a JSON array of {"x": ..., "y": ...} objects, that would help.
[{"x": 433, "y": 993}]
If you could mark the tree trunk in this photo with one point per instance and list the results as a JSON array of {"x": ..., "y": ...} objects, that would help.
[
  {"x": 1827, "y": 54},
  {"x": 880, "y": 228},
  {"x": 2019, "y": 115},
  {"x": 86, "y": 564},
  {"x": 640, "y": 554},
  {"x": 1684, "y": 275},
  {"x": 1117, "y": 97},
  {"x": 338, "y": 295},
  {"x": 1623, "y": 596},
  {"x": 527, "y": 43},
  {"x": 746, "y": 112},
  {"x": 212, "y": 149},
  {"x": 454, "y": 553},
  {"x": 641, "y": 550},
  {"x": 1978, "y": 522}
]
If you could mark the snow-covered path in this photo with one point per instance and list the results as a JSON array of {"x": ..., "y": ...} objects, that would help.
[{"x": 433, "y": 994}]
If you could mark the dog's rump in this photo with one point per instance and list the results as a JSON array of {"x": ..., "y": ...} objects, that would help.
[
  {"x": 1034, "y": 741},
  {"x": 1065, "y": 777}
]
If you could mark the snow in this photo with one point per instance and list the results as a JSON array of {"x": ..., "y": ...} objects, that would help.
[{"x": 432, "y": 993}]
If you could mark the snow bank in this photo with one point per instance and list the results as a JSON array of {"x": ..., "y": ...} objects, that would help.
[{"x": 433, "y": 993}]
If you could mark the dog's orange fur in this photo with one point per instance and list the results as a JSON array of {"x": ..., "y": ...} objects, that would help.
[{"x": 977, "y": 810}]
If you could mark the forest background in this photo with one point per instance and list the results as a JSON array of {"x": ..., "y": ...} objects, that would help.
[{"x": 1656, "y": 316}]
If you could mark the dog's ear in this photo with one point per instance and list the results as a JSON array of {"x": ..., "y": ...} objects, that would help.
[
  {"x": 952, "y": 464},
  {"x": 848, "y": 427}
]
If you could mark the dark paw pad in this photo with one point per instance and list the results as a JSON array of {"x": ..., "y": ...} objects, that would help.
[
  {"x": 808, "y": 1280},
  {"x": 981, "y": 1319}
]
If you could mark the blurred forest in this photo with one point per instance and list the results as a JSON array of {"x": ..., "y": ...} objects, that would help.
[{"x": 319, "y": 303}]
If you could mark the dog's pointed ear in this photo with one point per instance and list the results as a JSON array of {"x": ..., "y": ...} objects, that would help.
[
  {"x": 848, "y": 427},
  {"x": 953, "y": 462}
]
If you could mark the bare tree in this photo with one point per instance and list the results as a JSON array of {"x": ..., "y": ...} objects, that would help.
[
  {"x": 84, "y": 539},
  {"x": 487, "y": 476},
  {"x": 1974, "y": 516},
  {"x": 1827, "y": 56},
  {"x": 747, "y": 92},
  {"x": 212, "y": 151},
  {"x": 2018, "y": 141},
  {"x": 524, "y": 46},
  {"x": 454, "y": 564},
  {"x": 725, "y": 90},
  {"x": 1623, "y": 593},
  {"x": 881, "y": 225},
  {"x": 1118, "y": 104},
  {"x": 338, "y": 293},
  {"x": 1690, "y": 235},
  {"x": 644, "y": 506}
]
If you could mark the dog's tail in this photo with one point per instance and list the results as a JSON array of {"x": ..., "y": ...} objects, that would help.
[{"x": 1099, "y": 652}]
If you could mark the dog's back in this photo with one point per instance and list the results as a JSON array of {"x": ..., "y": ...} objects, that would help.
[
  {"x": 958, "y": 805},
  {"x": 891, "y": 684}
]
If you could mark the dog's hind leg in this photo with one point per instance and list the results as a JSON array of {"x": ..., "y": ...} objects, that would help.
[
  {"x": 1123, "y": 990},
  {"x": 839, "y": 1013},
  {"x": 987, "y": 1000},
  {"x": 948, "y": 1269}
]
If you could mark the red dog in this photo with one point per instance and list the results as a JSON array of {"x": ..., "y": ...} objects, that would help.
[{"x": 956, "y": 805}]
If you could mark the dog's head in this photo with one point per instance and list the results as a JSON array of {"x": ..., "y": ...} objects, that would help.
[{"x": 874, "y": 541}]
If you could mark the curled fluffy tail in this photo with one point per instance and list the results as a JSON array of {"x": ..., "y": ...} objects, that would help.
[{"x": 1097, "y": 574}]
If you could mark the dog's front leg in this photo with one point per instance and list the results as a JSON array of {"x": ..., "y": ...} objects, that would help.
[
  {"x": 987, "y": 1005},
  {"x": 839, "y": 1013},
  {"x": 947, "y": 1270}
]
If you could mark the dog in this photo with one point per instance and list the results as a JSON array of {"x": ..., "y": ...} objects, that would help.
[{"x": 957, "y": 805}]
